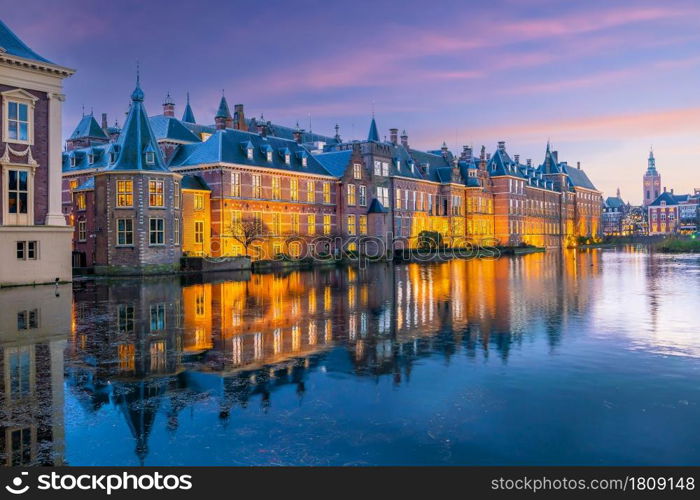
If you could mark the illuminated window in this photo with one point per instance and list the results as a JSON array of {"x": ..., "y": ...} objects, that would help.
[
  {"x": 311, "y": 224},
  {"x": 125, "y": 193},
  {"x": 363, "y": 196},
  {"x": 73, "y": 184},
  {"x": 311, "y": 191},
  {"x": 294, "y": 189},
  {"x": 276, "y": 188},
  {"x": 295, "y": 223},
  {"x": 326, "y": 224},
  {"x": 155, "y": 194},
  {"x": 363, "y": 224},
  {"x": 326, "y": 192},
  {"x": 397, "y": 200},
  {"x": 236, "y": 184},
  {"x": 156, "y": 231},
  {"x": 277, "y": 224},
  {"x": 351, "y": 194},
  {"x": 199, "y": 202},
  {"x": 199, "y": 232},
  {"x": 383, "y": 196},
  {"x": 287, "y": 158},
  {"x": 80, "y": 201},
  {"x": 257, "y": 186},
  {"x": 125, "y": 232},
  {"x": 352, "y": 229},
  {"x": 357, "y": 171}
]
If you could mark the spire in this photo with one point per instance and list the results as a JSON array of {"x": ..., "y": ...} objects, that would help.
[
  {"x": 223, "y": 111},
  {"x": 168, "y": 99},
  {"x": 137, "y": 94},
  {"x": 337, "y": 133},
  {"x": 651, "y": 162},
  {"x": 373, "y": 135},
  {"x": 188, "y": 115},
  {"x": 138, "y": 149},
  {"x": 618, "y": 193}
]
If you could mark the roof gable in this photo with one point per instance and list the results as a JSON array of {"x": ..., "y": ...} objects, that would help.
[{"x": 11, "y": 44}]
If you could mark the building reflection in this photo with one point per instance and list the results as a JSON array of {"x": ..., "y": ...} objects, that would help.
[
  {"x": 34, "y": 325},
  {"x": 157, "y": 346}
]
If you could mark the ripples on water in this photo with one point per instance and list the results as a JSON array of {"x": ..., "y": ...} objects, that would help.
[{"x": 558, "y": 358}]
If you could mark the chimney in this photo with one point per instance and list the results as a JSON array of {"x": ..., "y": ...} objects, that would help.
[
  {"x": 239, "y": 122},
  {"x": 466, "y": 153},
  {"x": 298, "y": 134},
  {"x": 664, "y": 189},
  {"x": 502, "y": 145},
  {"x": 404, "y": 139},
  {"x": 516, "y": 158},
  {"x": 168, "y": 106},
  {"x": 529, "y": 162},
  {"x": 578, "y": 165},
  {"x": 444, "y": 149},
  {"x": 671, "y": 190},
  {"x": 394, "y": 135},
  {"x": 104, "y": 122}
]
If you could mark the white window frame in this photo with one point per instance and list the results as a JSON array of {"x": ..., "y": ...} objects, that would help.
[{"x": 18, "y": 96}]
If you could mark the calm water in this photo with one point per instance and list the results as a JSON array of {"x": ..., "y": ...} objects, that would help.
[{"x": 573, "y": 358}]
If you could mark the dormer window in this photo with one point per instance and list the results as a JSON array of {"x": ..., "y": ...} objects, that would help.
[
  {"x": 91, "y": 159},
  {"x": 150, "y": 158},
  {"x": 398, "y": 164},
  {"x": 112, "y": 157},
  {"x": 249, "y": 153},
  {"x": 287, "y": 158},
  {"x": 268, "y": 155},
  {"x": 304, "y": 161},
  {"x": 72, "y": 161}
]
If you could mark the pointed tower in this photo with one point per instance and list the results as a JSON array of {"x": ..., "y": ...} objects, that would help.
[
  {"x": 188, "y": 115},
  {"x": 137, "y": 203},
  {"x": 373, "y": 135},
  {"x": 651, "y": 181},
  {"x": 87, "y": 133},
  {"x": 223, "y": 118}
]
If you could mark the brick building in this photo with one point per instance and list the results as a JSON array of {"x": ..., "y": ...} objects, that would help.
[{"x": 34, "y": 238}]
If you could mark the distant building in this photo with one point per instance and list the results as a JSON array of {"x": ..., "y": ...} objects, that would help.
[
  {"x": 34, "y": 238},
  {"x": 651, "y": 181},
  {"x": 615, "y": 211}
]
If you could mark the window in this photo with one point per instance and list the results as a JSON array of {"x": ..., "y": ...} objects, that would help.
[
  {"x": 176, "y": 231},
  {"x": 249, "y": 153},
  {"x": 295, "y": 223},
  {"x": 236, "y": 184},
  {"x": 19, "y": 364},
  {"x": 112, "y": 156},
  {"x": 304, "y": 161},
  {"x": 91, "y": 158},
  {"x": 363, "y": 224},
  {"x": 27, "y": 250},
  {"x": 397, "y": 201},
  {"x": 199, "y": 202},
  {"x": 385, "y": 169},
  {"x": 18, "y": 191},
  {"x": 326, "y": 192},
  {"x": 268, "y": 156},
  {"x": 311, "y": 191},
  {"x": 294, "y": 189},
  {"x": 125, "y": 232},
  {"x": 27, "y": 320},
  {"x": 73, "y": 184},
  {"x": 311, "y": 224},
  {"x": 157, "y": 317},
  {"x": 199, "y": 232},
  {"x": 357, "y": 171},
  {"x": 377, "y": 167},
  {"x": 18, "y": 121},
  {"x": 176, "y": 194},
  {"x": 287, "y": 158},
  {"x": 155, "y": 194},
  {"x": 236, "y": 218},
  {"x": 363, "y": 196},
  {"x": 125, "y": 318},
  {"x": 326, "y": 224},
  {"x": 383, "y": 196},
  {"x": 276, "y": 188},
  {"x": 352, "y": 229},
  {"x": 82, "y": 231},
  {"x": 257, "y": 186},
  {"x": 351, "y": 194},
  {"x": 157, "y": 231},
  {"x": 276, "y": 224},
  {"x": 72, "y": 160},
  {"x": 150, "y": 158},
  {"x": 80, "y": 201},
  {"x": 125, "y": 193}
]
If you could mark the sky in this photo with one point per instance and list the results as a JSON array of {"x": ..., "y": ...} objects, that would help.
[{"x": 604, "y": 81}]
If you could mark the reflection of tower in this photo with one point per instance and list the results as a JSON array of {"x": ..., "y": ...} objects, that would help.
[
  {"x": 652, "y": 181},
  {"x": 139, "y": 402}
]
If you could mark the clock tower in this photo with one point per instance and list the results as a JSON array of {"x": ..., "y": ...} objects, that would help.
[{"x": 652, "y": 181}]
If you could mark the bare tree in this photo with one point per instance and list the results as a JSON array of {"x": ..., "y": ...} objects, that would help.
[{"x": 248, "y": 230}]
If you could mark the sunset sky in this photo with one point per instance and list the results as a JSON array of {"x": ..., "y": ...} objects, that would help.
[{"x": 602, "y": 80}]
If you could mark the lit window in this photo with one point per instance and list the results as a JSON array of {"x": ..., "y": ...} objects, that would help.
[
  {"x": 363, "y": 224},
  {"x": 155, "y": 194},
  {"x": 82, "y": 231},
  {"x": 236, "y": 184},
  {"x": 157, "y": 231},
  {"x": 304, "y": 161},
  {"x": 326, "y": 224},
  {"x": 326, "y": 192},
  {"x": 295, "y": 223},
  {"x": 311, "y": 191},
  {"x": 311, "y": 224},
  {"x": 294, "y": 189},
  {"x": 80, "y": 201},
  {"x": 351, "y": 194},
  {"x": 249, "y": 153},
  {"x": 73, "y": 184},
  {"x": 287, "y": 158},
  {"x": 276, "y": 188},
  {"x": 125, "y": 193},
  {"x": 199, "y": 202},
  {"x": 276, "y": 224},
  {"x": 397, "y": 201},
  {"x": 257, "y": 186},
  {"x": 268, "y": 155},
  {"x": 199, "y": 232},
  {"x": 357, "y": 171},
  {"x": 125, "y": 232},
  {"x": 352, "y": 229}
]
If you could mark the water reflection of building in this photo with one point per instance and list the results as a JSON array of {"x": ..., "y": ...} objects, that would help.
[
  {"x": 34, "y": 323},
  {"x": 154, "y": 347}
]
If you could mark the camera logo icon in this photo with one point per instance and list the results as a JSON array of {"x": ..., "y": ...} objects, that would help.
[{"x": 17, "y": 488}]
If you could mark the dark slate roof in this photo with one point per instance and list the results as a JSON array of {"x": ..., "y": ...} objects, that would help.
[
  {"x": 136, "y": 139},
  {"x": 373, "y": 135},
  {"x": 195, "y": 182},
  {"x": 188, "y": 115},
  {"x": 100, "y": 154},
  {"x": 11, "y": 44},
  {"x": 88, "y": 185},
  {"x": 669, "y": 198},
  {"x": 170, "y": 128},
  {"x": 223, "y": 111},
  {"x": 335, "y": 162},
  {"x": 88, "y": 127},
  {"x": 230, "y": 146},
  {"x": 614, "y": 202},
  {"x": 376, "y": 207},
  {"x": 577, "y": 177},
  {"x": 433, "y": 163},
  {"x": 288, "y": 132}
]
